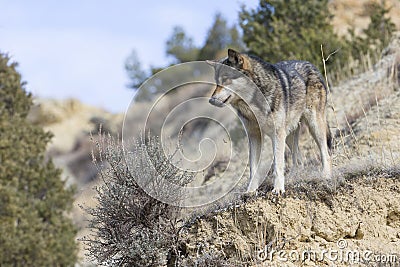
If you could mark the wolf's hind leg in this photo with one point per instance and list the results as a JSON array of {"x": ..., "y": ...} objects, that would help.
[
  {"x": 316, "y": 119},
  {"x": 318, "y": 128},
  {"x": 293, "y": 143}
]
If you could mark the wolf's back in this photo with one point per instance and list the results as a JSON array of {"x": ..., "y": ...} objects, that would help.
[{"x": 308, "y": 72}]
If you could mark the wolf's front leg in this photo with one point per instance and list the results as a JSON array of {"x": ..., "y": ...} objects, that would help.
[
  {"x": 255, "y": 150},
  {"x": 278, "y": 143}
]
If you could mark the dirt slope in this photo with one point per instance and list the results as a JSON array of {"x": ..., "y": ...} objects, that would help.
[{"x": 364, "y": 214}]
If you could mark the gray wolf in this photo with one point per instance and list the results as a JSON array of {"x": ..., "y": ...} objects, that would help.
[{"x": 293, "y": 91}]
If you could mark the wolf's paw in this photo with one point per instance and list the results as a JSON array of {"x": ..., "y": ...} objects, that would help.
[
  {"x": 278, "y": 191},
  {"x": 279, "y": 187}
]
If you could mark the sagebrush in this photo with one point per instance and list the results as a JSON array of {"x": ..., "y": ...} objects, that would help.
[{"x": 130, "y": 227}]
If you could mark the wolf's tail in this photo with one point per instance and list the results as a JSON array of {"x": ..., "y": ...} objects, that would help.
[{"x": 329, "y": 137}]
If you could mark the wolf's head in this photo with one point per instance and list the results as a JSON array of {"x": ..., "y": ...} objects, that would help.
[{"x": 230, "y": 78}]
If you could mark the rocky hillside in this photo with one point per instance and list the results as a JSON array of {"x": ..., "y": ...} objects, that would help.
[
  {"x": 361, "y": 214},
  {"x": 353, "y": 219}
]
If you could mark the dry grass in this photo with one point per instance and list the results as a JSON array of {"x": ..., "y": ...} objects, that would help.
[{"x": 354, "y": 67}]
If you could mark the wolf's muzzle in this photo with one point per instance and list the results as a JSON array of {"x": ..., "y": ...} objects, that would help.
[{"x": 216, "y": 102}]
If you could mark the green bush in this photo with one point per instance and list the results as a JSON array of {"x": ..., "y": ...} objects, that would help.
[
  {"x": 289, "y": 29},
  {"x": 33, "y": 199}
]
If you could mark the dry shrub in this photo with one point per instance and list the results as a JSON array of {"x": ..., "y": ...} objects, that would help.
[{"x": 128, "y": 226}]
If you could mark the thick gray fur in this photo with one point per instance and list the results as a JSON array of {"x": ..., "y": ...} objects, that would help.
[{"x": 291, "y": 92}]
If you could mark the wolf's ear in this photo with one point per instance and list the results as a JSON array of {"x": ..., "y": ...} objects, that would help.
[
  {"x": 234, "y": 57},
  {"x": 212, "y": 63},
  {"x": 237, "y": 59}
]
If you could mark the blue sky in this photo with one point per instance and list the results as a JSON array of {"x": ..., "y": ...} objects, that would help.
[{"x": 78, "y": 48}]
